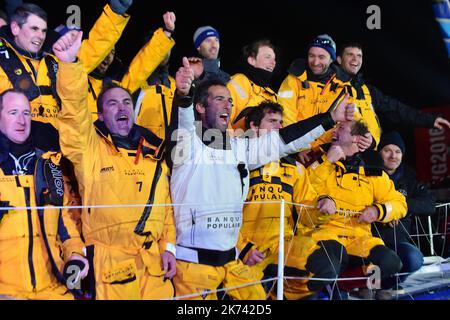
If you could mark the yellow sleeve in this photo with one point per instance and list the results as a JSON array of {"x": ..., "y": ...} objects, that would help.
[
  {"x": 390, "y": 203},
  {"x": 147, "y": 60},
  {"x": 244, "y": 246},
  {"x": 106, "y": 31},
  {"x": 77, "y": 135},
  {"x": 287, "y": 97},
  {"x": 240, "y": 88},
  {"x": 168, "y": 238},
  {"x": 323, "y": 139}
]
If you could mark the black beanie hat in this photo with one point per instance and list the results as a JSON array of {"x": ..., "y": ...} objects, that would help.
[{"x": 392, "y": 137}]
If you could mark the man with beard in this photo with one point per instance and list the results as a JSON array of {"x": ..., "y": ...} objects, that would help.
[
  {"x": 117, "y": 163},
  {"x": 207, "y": 66},
  {"x": 210, "y": 181},
  {"x": 315, "y": 85},
  {"x": 390, "y": 111}
]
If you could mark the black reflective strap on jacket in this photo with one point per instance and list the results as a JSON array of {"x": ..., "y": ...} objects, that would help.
[
  {"x": 41, "y": 201},
  {"x": 274, "y": 180},
  {"x": 21, "y": 79},
  {"x": 139, "y": 229},
  {"x": 215, "y": 258}
]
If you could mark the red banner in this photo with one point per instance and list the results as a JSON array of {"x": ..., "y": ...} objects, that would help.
[{"x": 433, "y": 152}]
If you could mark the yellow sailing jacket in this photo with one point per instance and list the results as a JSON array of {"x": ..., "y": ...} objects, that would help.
[
  {"x": 303, "y": 98},
  {"x": 274, "y": 182},
  {"x": 353, "y": 190},
  {"x": 30, "y": 238},
  {"x": 38, "y": 76},
  {"x": 109, "y": 175},
  {"x": 144, "y": 63}
]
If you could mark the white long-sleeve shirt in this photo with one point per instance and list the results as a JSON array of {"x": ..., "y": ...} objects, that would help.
[{"x": 208, "y": 183}]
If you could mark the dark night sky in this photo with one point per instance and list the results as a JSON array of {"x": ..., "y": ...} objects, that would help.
[{"x": 405, "y": 59}]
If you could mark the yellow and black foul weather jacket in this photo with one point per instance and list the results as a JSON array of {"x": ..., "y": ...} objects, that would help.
[
  {"x": 116, "y": 174},
  {"x": 36, "y": 75},
  {"x": 304, "y": 94},
  {"x": 143, "y": 65},
  {"x": 354, "y": 184},
  {"x": 34, "y": 242},
  {"x": 153, "y": 106},
  {"x": 248, "y": 89},
  {"x": 276, "y": 181}
]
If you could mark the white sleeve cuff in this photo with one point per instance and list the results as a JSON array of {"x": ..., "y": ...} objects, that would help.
[{"x": 172, "y": 249}]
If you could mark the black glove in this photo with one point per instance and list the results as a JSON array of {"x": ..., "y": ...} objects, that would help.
[{"x": 120, "y": 6}]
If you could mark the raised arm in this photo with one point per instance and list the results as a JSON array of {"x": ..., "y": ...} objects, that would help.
[
  {"x": 183, "y": 127},
  {"x": 299, "y": 135},
  {"x": 151, "y": 55},
  {"x": 76, "y": 131},
  {"x": 106, "y": 31}
]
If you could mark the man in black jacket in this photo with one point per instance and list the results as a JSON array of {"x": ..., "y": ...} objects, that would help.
[
  {"x": 207, "y": 65},
  {"x": 388, "y": 109},
  {"x": 419, "y": 199}
]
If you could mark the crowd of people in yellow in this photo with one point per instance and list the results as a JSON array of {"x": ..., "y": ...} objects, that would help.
[{"x": 149, "y": 186}]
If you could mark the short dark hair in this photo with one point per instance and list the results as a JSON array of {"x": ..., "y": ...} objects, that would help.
[
  {"x": 22, "y": 13},
  {"x": 258, "y": 113},
  {"x": 106, "y": 87},
  {"x": 2, "y": 95},
  {"x": 351, "y": 44},
  {"x": 251, "y": 50},
  {"x": 359, "y": 128},
  {"x": 201, "y": 93}
]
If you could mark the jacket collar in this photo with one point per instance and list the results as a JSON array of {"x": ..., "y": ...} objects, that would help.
[
  {"x": 211, "y": 65},
  {"x": 160, "y": 76},
  {"x": 300, "y": 66},
  {"x": 153, "y": 144},
  {"x": 259, "y": 76},
  {"x": 397, "y": 174},
  {"x": 358, "y": 79},
  {"x": 43, "y": 136}
]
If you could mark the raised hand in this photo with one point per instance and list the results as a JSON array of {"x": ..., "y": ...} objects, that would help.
[
  {"x": 184, "y": 78},
  {"x": 344, "y": 111},
  {"x": 440, "y": 122},
  {"x": 66, "y": 48},
  {"x": 196, "y": 65},
  {"x": 169, "y": 20}
]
